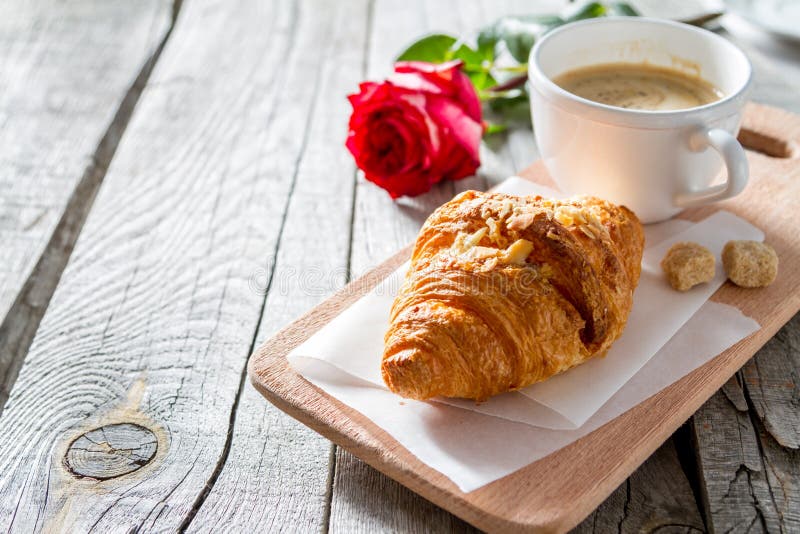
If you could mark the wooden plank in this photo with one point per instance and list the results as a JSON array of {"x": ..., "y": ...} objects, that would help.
[
  {"x": 68, "y": 74},
  {"x": 381, "y": 223},
  {"x": 772, "y": 381},
  {"x": 657, "y": 496},
  {"x": 734, "y": 485},
  {"x": 588, "y": 470},
  {"x": 364, "y": 498},
  {"x": 154, "y": 317},
  {"x": 747, "y": 450},
  {"x": 747, "y": 435},
  {"x": 277, "y": 472},
  {"x": 520, "y": 144}
]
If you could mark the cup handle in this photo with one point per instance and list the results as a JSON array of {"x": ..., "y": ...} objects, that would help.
[{"x": 735, "y": 162}]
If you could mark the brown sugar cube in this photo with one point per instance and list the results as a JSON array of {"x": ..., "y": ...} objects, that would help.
[
  {"x": 688, "y": 264},
  {"x": 750, "y": 263}
]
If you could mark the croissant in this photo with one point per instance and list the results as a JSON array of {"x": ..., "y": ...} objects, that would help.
[{"x": 506, "y": 291}]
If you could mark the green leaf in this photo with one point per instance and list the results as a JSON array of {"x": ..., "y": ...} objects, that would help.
[
  {"x": 475, "y": 66},
  {"x": 544, "y": 20},
  {"x": 494, "y": 128},
  {"x": 518, "y": 33},
  {"x": 622, "y": 9},
  {"x": 487, "y": 41},
  {"x": 435, "y": 48},
  {"x": 512, "y": 105},
  {"x": 586, "y": 11},
  {"x": 472, "y": 58},
  {"x": 521, "y": 34},
  {"x": 519, "y": 44},
  {"x": 481, "y": 79}
]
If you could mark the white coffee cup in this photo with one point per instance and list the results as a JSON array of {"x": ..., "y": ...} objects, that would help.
[{"x": 654, "y": 162}]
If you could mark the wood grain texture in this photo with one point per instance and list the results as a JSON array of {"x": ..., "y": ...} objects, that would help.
[
  {"x": 364, "y": 499},
  {"x": 382, "y": 225},
  {"x": 111, "y": 451},
  {"x": 67, "y": 71},
  {"x": 655, "y": 498},
  {"x": 271, "y": 473},
  {"x": 746, "y": 437},
  {"x": 586, "y": 471},
  {"x": 772, "y": 381},
  {"x": 277, "y": 472},
  {"x": 154, "y": 316}
]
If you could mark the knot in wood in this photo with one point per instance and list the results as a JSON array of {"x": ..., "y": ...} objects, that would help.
[{"x": 111, "y": 451}]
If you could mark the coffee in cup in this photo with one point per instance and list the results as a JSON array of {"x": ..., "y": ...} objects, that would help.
[{"x": 639, "y": 86}]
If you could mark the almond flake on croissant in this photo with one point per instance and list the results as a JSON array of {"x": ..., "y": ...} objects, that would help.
[{"x": 506, "y": 291}]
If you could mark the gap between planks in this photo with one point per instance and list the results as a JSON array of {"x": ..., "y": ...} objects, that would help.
[
  {"x": 248, "y": 192},
  {"x": 253, "y": 342},
  {"x": 329, "y": 84},
  {"x": 233, "y": 412},
  {"x": 22, "y": 320},
  {"x": 349, "y": 272}
]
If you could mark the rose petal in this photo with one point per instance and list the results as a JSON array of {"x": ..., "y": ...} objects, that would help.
[
  {"x": 466, "y": 131},
  {"x": 411, "y": 184},
  {"x": 414, "y": 82},
  {"x": 466, "y": 167},
  {"x": 420, "y": 126},
  {"x": 425, "y": 67},
  {"x": 449, "y": 79},
  {"x": 393, "y": 136}
]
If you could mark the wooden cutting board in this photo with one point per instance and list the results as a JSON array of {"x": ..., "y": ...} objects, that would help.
[{"x": 558, "y": 491}]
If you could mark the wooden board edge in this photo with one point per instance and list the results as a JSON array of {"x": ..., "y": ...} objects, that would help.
[
  {"x": 274, "y": 384},
  {"x": 360, "y": 436}
]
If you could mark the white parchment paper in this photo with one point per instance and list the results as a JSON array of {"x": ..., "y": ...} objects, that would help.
[{"x": 474, "y": 444}]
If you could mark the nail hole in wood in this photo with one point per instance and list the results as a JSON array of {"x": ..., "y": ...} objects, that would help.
[{"x": 111, "y": 451}]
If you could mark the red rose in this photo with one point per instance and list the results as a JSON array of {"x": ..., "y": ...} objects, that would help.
[{"x": 420, "y": 126}]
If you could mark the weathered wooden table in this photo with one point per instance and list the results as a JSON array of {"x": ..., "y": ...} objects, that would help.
[{"x": 174, "y": 189}]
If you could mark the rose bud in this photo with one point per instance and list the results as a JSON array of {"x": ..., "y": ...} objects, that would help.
[{"x": 420, "y": 126}]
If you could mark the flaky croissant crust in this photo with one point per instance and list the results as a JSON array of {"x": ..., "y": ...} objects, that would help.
[{"x": 506, "y": 291}]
